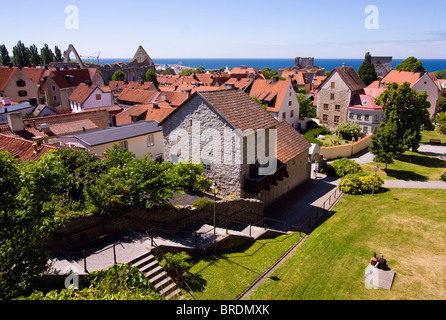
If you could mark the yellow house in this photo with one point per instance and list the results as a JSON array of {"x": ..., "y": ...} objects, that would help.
[
  {"x": 140, "y": 137},
  {"x": 16, "y": 85}
]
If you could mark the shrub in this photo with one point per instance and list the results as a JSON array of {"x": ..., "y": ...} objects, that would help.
[
  {"x": 202, "y": 203},
  {"x": 348, "y": 130},
  {"x": 176, "y": 264},
  {"x": 342, "y": 167},
  {"x": 360, "y": 183},
  {"x": 311, "y": 135},
  {"x": 443, "y": 177}
]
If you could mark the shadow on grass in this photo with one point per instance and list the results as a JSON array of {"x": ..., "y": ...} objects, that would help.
[
  {"x": 405, "y": 175},
  {"x": 423, "y": 160}
]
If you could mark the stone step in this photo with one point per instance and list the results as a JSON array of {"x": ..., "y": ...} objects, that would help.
[
  {"x": 154, "y": 271},
  {"x": 157, "y": 277},
  {"x": 148, "y": 266},
  {"x": 163, "y": 282},
  {"x": 144, "y": 261},
  {"x": 175, "y": 293},
  {"x": 167, "y": 289}
]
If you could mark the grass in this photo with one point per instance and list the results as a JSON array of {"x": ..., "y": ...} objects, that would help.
[
  {"x": 434, "y": 134},
  {"x": 327, "y": 142},
  {"x": 406, "y": 225},
  {"x": 225, "y": 276},
  {"x": 411, "y": 166}
]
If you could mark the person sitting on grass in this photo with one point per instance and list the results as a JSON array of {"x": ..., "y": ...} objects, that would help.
[
  {"x": 374, "y": 260},
  {"x": 382, "y": 263}
]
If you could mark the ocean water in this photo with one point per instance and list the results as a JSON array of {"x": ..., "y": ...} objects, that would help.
[{"x": 431, "y": 65}]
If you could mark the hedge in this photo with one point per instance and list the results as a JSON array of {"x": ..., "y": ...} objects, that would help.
[{"x": 360, "y": 183}]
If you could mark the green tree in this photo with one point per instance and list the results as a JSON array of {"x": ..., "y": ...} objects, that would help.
[
  {"x": 34, "y": 55},
  {"x": 348, "y": 130},
  {"x": 408, "y": 109},
  {"x": 441, "y": 120},
  {"x": 411, "y": 64},
  {"x": 4, "y": 55},
  {"x": 26, "y": 218},
  {"x": 119, "y": 75},
  {"x": 186, "y": 72},
  {"x": 306, "y": 108},
  {"x": 20, "y": 55},
  {"x": 57, "y": 54},
  {"x": 367, "y": 71},
  {"x": 150, "y": 76},
  {"x": 442, "y": 105},
  {"x": 46, "y": 55},
  {"x": 168, "y": 71},
  {"x": 386, "y": 144}
]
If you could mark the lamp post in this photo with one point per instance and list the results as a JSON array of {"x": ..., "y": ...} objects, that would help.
[
  {"x": 374, "y": 180},
  {"x": 214, "y": 189}
]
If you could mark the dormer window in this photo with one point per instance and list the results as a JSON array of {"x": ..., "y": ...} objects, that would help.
[{"x": 21, "y": 83}]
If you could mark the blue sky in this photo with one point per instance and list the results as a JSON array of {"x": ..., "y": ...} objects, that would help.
[{"x": 232, "y": 28}]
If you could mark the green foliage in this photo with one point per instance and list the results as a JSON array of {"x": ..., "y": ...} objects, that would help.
[
  {"x": 306, "y": 108},
  {"x": 119, "y": 282},
  {"x": 441, "y": 120},
  {"x": 21, "y": 54},
  {"x": 367, "y": 71},
  {"x": 311, "y": 135},
  {"x": 202, "y": 203},
  {"x": 186, "y": 72},
  {"x": 260, "y": 102},
  {"x": 168, "y": 71},
  {"x": 442, "y": 104},
  {"x": 348, "y": 130},
  {"x": 57, "y": 54},
  {"x": 4, "y": 55},
  {"x": 25, "y": 219},
  {"x": 118, "y": 156},
  {"x": 150, "y": 76},
  {"x": 46, "y": 55},
  {"x": 190, "y": 177},
  {"x": 342, "y": 167},
  {"x": 408, "y": 110},
  {"x": 360, "y": 183},
  {"x": 386, "y": 145},
  {"x": 411, "y": 64},
  {"x": 119, "y": 75},
  {"x": 270, "y": 73},
  {"x": 443, "y": 177},
  {"x": 176, "y": 265}
]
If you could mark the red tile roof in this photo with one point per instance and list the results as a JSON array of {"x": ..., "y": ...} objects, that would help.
[
  {"x": 79, "y": 76},
  {"x": 268, "y": 91},
  {"x": 147, "y": 85},
  {"x": 400, "y": 77},
  {"x": 35, "y": 74},
  {"x": 289, "y": 142},
  {"x": 5, "y": 75},
  {"x": 83, "y": 91},
  {"x": 23, "y": 149},
  {"x": 137, "y": 96},
  {"x": 145, "y": 112}
]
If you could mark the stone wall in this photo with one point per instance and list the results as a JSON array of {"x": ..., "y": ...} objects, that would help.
[{"x": 347, "y": 150}]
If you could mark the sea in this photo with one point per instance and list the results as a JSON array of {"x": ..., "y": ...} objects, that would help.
[{"x": 431, "y": 65}]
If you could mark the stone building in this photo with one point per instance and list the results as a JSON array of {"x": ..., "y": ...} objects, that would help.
[
  {"x": 134, "y": 70},
  {"x": 234, "y": 138},
  {"x": 335, "y": 95}
]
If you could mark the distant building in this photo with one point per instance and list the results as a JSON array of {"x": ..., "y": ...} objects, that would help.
[
  {"x": 364, "y": 111},
  {"x": 383, "y": 65},
  {"x": 87, "y": 96},
  {"x": 134, "y": 70},
  {"x": 17, "y": 85}
]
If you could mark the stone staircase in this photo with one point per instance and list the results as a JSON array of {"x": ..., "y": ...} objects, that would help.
[{"x": 164, "y": 284}]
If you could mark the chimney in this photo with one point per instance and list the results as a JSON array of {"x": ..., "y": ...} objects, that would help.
[
  {"x": 343, "y": 65},
  {"x": 15, "y": 122},
  {"x": 275, "y": 79},
  {"x": 45, "y": 127},
  {"x": 38, "y": 140},
  {"x": 229, "y": 86},
  {"x": 112, "y": 120}
]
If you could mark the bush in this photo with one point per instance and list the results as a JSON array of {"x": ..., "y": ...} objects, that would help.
[
  {"x": 342, "y": 167},
  {"x": 443, "y": 177},
  {"x": 348, "y": 130},
  {"x": 202, "y": 203},
  {"x": 176, "y": 264},
  {"x": 360, "y": 183},
  {"x": 311, "y": 135}
]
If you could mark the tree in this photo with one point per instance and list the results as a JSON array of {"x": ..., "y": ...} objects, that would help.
[
  {"x": 34, "y": 55},
  {"x": 386, "y": 144},
  {"x": 441, "y": 120},
  {"x": 119, "y": 75},
  {"x": 4, "y": 55},
  {"x": 408, "y": 109},
  {"x": 57, "y": 54},
  {"x": 168, "y": 71},
  {"x": 46, "y": 55},
  {"x": 306, "y": 108},
  {"x": 367, "y": 71},
  {"x": 411, "y": 64},
  {"x": 20, "y": 55},
  {"x": 348, "y": 130},
  {"x": 186, "y": 72},
  {"x": 26, "y": 218},
  {"x": 150, "y": 76},
  {"x": 442, "y": 104}
]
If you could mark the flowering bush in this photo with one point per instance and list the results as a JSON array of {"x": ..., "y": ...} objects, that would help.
[
  {"x": 342, "y": 167},
  {"x": 360, "y": 183}
]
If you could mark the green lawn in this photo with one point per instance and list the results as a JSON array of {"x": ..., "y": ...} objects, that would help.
[
  {"x": 411, "y": 166},
  {"x": 329, "y": 139},
  {"x": 225, "y": 276},
  {"x": 435, "y": 134},
  {"x": 408, "y": 226}
]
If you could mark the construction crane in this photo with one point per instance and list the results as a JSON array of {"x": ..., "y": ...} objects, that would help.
[{"x": 93, "y": 56}]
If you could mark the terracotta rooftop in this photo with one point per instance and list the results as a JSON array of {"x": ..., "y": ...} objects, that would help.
[
  {"x": 60, "y": 124},
  {"x": 270, "y": 92},
  {"x": 23, "y": 149},
  {"x": 147, "y": 85},
  {"x": 350, "y": 78},
  {"x": 289, "y": 142},
  {"x": 400, "y": 77},
  {"x": 173, "y": 98},
  {"x": 35, "y": 74},
  {"x": 78, "y": 75},
  {"x": 144, "y": 112},
  {"x": 84, "y": 91},
  {"x": 137, "y": 96},
  {"x": 5, "y": 75}
]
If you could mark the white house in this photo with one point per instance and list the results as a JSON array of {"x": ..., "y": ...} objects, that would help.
[{"x": 87, "y": 96}]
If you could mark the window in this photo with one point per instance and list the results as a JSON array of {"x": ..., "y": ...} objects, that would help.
[
  {"x": 20, "y": 83},
  {"x": 284, "y": 116},
  {"x": 337, "y": 107},
  {"x": 150, "y": 140},
  {"x": 366, "y": 117},
  {"x": 365, "y": 130},
  {"x": 359, "y": 117},
  {"x": 292, "y": 113},
  {"x": 336, "y": 119},
  {"x": 289, "y": 103},
  {"x": 207, "y": 165},
  {"x": 22, "y": 93},
  {"x": 98, "y": 97},
  {"x": 352, "y": 116},
  {"x": 325, "y": 117},
  {"x": 124, "y": 145},
  {"x": 332, "y": 96},
  {"x": 53, "y": 87},
  {"x": 376, "y": 118},
  {"x": 325, "y": 106},
  {"x": 54, "y": 98},
  {"x": 333, "y": 85}
]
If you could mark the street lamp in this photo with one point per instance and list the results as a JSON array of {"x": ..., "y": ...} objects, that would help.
[
  {"x": 214, "y": 189},
  {"x": 374, "y": 180}
]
